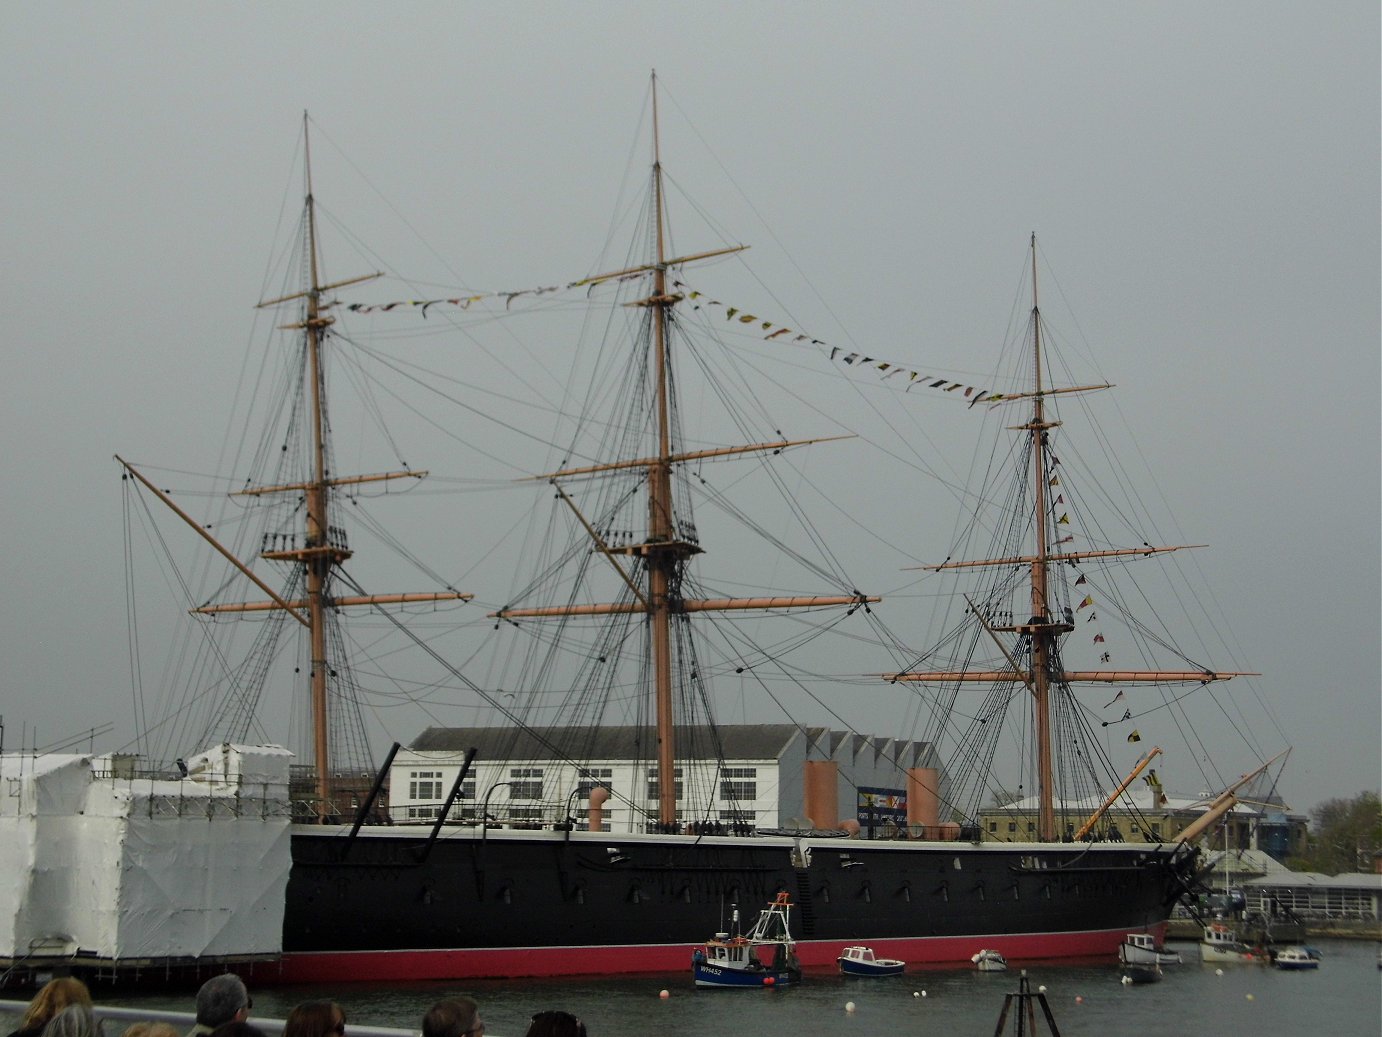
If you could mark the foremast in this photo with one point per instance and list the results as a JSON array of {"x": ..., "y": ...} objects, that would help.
[
  {"x": 1043, "y": 631},
  {"x": 663, "y": 552},
  {"x": 324, "y": 547}
]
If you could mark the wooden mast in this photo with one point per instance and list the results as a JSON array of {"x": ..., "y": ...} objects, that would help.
[
  {"x": 323, "y": 549},
  {"x": 664, "y": 553},
  {"x": 1043, "y": 639},
  {"x": 1043, "y": 631}
]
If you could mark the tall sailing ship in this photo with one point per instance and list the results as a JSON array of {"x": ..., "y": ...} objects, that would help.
[{"x": 379, "y": 901}]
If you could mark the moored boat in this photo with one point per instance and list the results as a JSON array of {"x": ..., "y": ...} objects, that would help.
[
  {"x": 763, "y": 957},
  {"x": 1295, "y": 958},
  {"x": 861, "y": 961},
  {"x": 1141, "y": 949},
  {"x": 1134, "y": 966},
  {"x": 989, "y": 961},
  {"x": 1220, "y": 944}
]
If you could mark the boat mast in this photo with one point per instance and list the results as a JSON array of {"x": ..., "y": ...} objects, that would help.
[
  {"x": 664, "y": 554},
  {"x": 1045, "y": 669},
  {"x": 323, "y": 548},
  {"x": 1042, "y": 636},
  {"x": 319, "y": 556}
]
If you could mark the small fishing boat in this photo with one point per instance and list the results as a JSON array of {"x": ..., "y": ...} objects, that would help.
[
  {"x": 990, "y": 961},
  {"x": 860, "y": 961},
  {"x": 1220, "y": 944},
  {"x": 764, "y": 957},
  {"x": 1295, "y": 958},
  {"x": 1141, "y": 949},
  {"x": 1136, "y": 970}
]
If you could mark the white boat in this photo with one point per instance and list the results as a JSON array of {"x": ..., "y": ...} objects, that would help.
[
  {"x": 860, "y": 961},
  {"x": 1138, "y": 972},
  {"x": 990, "y": 961},
  {"x": 1141, "y": 949},
  {"x": 1220, "y": 944},
  {"x": 1295, "y": 958}
]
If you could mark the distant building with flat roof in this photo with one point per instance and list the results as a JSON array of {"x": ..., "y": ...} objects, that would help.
[{"x": 749, "y": 775}]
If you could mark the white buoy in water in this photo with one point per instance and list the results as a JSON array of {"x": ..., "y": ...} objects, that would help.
[
  {"x": 1041, "y": 989},
  {"x": 1218, "y": 972},
  {"x": 916, "y": 993},
  {"x": 1250, "y": 997},
  {"x": 663, "y": 994},
  {"x": 849, "y": 1006},
  {"x": 1126, "y": 981}
]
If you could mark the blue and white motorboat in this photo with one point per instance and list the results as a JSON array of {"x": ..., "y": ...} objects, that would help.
[
  {"x": 764, "y": 957},
  {"x": 1296, "y": 958},
  {"x": 860, "y": 961}
]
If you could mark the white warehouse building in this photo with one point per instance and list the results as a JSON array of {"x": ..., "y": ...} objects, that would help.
[{"x": 758, "y": 779}]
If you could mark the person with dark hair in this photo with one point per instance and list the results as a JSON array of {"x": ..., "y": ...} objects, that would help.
[
  {"x": 455, "y": 1017},
  {"x": 222, "y": 999},
  {"x": 555, "y": 1024},
  {"x": 316, "y": 1019},
  {"x": 52, "y": 998}
]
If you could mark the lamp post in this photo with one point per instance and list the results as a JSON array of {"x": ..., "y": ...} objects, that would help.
[{"x": 484, "y": 808}]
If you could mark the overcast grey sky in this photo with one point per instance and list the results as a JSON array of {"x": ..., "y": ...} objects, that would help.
[{"x": 1204, "y": 180}]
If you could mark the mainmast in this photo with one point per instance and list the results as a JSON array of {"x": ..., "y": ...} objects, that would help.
[{"x": 664, "y": 552}]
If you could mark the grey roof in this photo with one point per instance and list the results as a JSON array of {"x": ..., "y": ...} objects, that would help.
[{"x": 737, "y": 742}]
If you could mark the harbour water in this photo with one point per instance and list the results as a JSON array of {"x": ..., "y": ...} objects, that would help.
[{"x": 1343, "y": 997}]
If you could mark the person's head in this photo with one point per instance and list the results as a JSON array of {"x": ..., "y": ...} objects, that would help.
[
  {"x": 555, "y": 1024},
  {"x": 52, "y": 998},
  {"x": 151, "y": 1030},
  {"x": 223, "y": 999},
  {"x": 455, "y": 1017},
  {"x": 75, "y": 1020},
  {"x": 316, "y": 1019}
]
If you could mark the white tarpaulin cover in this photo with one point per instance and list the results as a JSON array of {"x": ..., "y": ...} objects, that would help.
[{"x": 127, "y": 867}]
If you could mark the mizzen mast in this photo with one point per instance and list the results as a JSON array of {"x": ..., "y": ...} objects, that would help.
[{"x": 1044, "y": 671}]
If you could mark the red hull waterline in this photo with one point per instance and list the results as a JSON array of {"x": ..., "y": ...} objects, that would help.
[{"x": 498, "y": 962}]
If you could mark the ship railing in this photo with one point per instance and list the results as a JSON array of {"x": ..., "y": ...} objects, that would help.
[{"x": 122, "y": 1017}]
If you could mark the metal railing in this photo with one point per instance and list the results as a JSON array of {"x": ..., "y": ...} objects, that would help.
[{"x": 186, "y": 1020}]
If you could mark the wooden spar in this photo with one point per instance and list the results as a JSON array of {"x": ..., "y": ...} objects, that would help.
[
  {"x": 1222, "y": 804},
  {"x": 603, "y": 547},
  {"x": 647, "y": 268},
  {"x": 346, "y": 602},
  {"x": 1056, "y": 559},
  {"x": 1072, "y": 676},
  {"x": 291, "y": 609},
  {"x": 624, "y": 608},
  {"x": 694, "y": 455},
  {"x": 1085, "y": 828},
  {"x": 348, "y": 480}
]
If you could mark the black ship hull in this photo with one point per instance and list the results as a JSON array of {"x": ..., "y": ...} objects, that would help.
[{"x": 508, "y": 903}]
